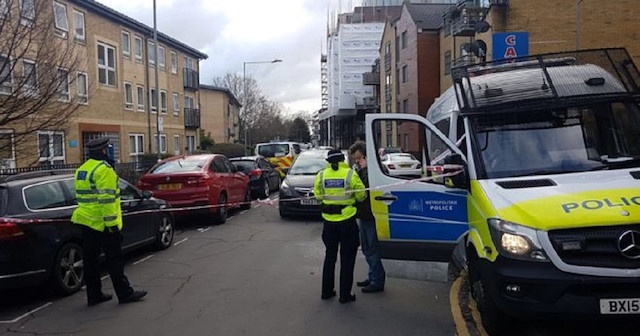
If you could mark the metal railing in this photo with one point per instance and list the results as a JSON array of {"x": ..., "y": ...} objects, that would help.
[{"x": 130, "y": 171}]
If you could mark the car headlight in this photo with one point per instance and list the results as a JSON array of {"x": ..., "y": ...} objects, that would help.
[
  {"x": 285, "y": 189},
  {"x": 516, "y": 241}
]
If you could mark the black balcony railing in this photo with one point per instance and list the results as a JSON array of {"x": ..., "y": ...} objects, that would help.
[
  {"x": 191, "y": 118},
  {"x": 190, "y": 79}
]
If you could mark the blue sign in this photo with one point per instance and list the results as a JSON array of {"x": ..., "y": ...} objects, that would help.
[
  {"x": 510, "y": 45},
  {"x": 73, "y": 144}
]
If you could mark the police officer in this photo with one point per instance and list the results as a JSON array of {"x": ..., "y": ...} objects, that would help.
[
  {"x": 99, "y": 213},
  {"x": 338, "y": 187}
]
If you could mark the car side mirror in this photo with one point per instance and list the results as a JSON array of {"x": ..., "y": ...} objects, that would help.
[
  {"x": 146, "y": 194},
  {"x": 461, "y": 179}
]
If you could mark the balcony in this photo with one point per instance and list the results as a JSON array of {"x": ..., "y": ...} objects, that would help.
[
  {"x": 371, "y": 78},
  {"x": 461, "y": 20},
  {"x": 191, "y": 118},
  {"x": 190, "y": 79}
]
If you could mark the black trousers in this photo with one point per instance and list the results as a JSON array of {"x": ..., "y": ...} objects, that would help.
[
  {"x": 343, "y": 235},
  {"x": 94, "y": 242}
]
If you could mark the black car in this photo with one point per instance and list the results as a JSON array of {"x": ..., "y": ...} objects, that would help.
[
  {"x": 296, "y": 190},
  {"x": 39, "y": 244},
  {"x": 263, "y": 177}
]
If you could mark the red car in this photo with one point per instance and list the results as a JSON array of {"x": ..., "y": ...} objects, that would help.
[{"x": 199, "y": 180}]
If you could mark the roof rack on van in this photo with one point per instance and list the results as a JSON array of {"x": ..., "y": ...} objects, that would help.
[
  {"x": 523, "y": 82},
  {"x": 37, "y": 173}
]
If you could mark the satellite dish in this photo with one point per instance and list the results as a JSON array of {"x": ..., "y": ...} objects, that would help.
[{"x": 482, "y": 26}]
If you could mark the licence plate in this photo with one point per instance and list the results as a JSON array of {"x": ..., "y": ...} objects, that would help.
[
  {"x": 405, "y": 166},
  {"x": 620, "y": 306},
  {"x": 309, "y": 201},
  {"x": 170, "y": 186}
]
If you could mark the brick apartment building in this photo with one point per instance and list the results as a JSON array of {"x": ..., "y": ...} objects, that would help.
[{"x": 220, "y": 113}]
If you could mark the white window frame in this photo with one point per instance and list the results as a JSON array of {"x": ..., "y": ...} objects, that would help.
[
  {"x": 138, "y": 48},
  {"x": 176, "y": 144},
  {"x": 13, "y": 146},
  {"x": 163, "y": 101},
  {"x": 27, "y": 14},
  {"x": 152, "y": 101},
  {"x": 78, "y": 17},
  {"x": 174, "y": 62},
  {"x": 64, "y": 96},
  {"x": 138, "y": 139},
  {"x": 31, "y": 90},
  {"x": 163, "y": 143},
  {"x": 140, "y": 100},
  {"x": 126, "y": 47},
  {"x": 176, "y": 103},
  {"x": 151, "y": 50},
  {"x": 188, "y": 63},
  {"x": 162, "y": 57},
  {"x": 62, "y": 26},
  {"x": 128, "y": 96},
  {"x": 6, "y": 88},
  {"x": 51, "y": 149},
  {"x": 83, "y": 97},
  {"x": 106, "y": 67},
  {"x": 191, "y": 143}
]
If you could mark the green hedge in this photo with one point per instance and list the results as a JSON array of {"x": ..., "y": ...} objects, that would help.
[{"x": 230, "y": 149}]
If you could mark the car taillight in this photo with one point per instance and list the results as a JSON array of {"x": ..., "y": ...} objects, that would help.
[
  {"x": 200, "y": 181},
  {"x": 419, "y": 166},
  {"x": 255, "y": 172},
  {"x": 9, "y": 230},
  {"x": 390, "y": 166},
  {"x": 145, "y": 185}
]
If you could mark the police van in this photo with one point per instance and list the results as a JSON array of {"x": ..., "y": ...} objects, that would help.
[
  {"x": 532, "y": 185},
  {"x": 279, "y": 153}
]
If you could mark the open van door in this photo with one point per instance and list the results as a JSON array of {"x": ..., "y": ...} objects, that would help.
[{"x": 418, "y": 217}]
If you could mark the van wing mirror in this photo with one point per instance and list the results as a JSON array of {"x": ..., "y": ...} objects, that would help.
[{"x": 460, "y": 177}]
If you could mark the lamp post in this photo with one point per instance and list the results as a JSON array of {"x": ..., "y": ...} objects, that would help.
[
  {"x": 244, "y": 100},
  {"x": 578, "y": 2},
  {"x": 157, "y": 98}
]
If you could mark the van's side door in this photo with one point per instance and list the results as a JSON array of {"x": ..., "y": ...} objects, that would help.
[{"x": 417, "y": 216}]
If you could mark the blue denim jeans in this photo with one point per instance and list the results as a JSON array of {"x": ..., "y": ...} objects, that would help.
[{"x": 369, "y": 243}]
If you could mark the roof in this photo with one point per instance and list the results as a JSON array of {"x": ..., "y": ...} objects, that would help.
[
  {"x": 125, "y": 20},
  {"x": 427, "y": 16},
  {"x": 222, "y": 89}
]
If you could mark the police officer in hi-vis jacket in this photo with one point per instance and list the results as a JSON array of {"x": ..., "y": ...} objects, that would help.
[
  {"x": 99, "y": 213},
  {"x": 338, "y": 187}
]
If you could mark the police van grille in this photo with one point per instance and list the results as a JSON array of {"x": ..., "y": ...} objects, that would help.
[
  {"x": 520, "y": 184},
  {"x": 599, "y": 246},
  {"x": 635, "y": 175}
]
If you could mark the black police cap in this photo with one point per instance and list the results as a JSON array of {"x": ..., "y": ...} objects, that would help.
[
  {"x": 335, "y": 155},
  {"x": 97, "y": 144}
]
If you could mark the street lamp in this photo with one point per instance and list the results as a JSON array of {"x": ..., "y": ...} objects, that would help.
[
  {"x": 244, "y": 100},
  {"x": 578, "y": 2}
]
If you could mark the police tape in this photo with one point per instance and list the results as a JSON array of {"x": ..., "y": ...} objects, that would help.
[{"x": 453, "y": 170}]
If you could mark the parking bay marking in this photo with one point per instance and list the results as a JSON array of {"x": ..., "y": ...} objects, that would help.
[
  {"x": 180, "y": 241},
  {"x": 26, "y": 314},
  {"x": 143, "y": 259},
  {"x": 201, "y": 230}
]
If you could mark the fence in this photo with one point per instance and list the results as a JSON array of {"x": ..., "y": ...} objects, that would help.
[{"x": 130, "y": 171}]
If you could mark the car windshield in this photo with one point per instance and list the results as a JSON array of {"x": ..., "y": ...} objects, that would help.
[
  {"x": 402, "y": 157},
  {"x": 309, "y": 164},
  {"x": 574, "y": 139},
  {"x": 270, "y": 150},
  {"x": 182, "y": 165}
]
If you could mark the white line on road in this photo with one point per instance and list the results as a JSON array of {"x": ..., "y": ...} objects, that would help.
[
  {"x": 180, "y": 241},
  {"x": 26, "y": 314},
  {"x": 143, "y": 259},
  {"x": 201, "y": 230}
]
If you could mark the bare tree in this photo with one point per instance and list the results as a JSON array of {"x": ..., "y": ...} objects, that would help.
[{"x": 39, "y": 62}]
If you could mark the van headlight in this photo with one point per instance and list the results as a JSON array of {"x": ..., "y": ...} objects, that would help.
[
  {"x": 516, "y": 241},
  {"x": 285, "y": 189}
]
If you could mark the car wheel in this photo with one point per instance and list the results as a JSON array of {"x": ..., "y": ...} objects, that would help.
[
  {"x": 67, "y": 274},
  {"x": 221, "y": 215},
  {"x": 164, "y": 232},
  {"x": 246, "y": 205},
  {"x": 266, "y": 190},
  {"x": 282, "y": 213}
]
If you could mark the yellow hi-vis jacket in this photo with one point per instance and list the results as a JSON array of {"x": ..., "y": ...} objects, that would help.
[
  {"x": 340, "y": 187},
  {"x": 98, "y": 196}
]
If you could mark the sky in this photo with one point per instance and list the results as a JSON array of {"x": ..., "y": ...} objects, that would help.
[{"x": 232, "y": 32}]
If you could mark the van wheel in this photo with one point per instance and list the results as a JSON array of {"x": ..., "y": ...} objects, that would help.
[
  {"x": 164, "y": 233},
  {"x": 67, "y": 274},
  {"x": 494, "y": 321},
  {"x": 220, "y": 216}
]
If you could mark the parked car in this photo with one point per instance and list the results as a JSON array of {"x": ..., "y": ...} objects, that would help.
[
  {"x": 401, "y": 164},
  {"x": 263, "y": 177},
  {"x": 39, "y": 244},
  {"x": 296, "y": 190},
  {"x": 199, "y": 180}
]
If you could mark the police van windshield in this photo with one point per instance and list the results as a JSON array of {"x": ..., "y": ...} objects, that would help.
[
  {"x": 270, "y": 150},
  {"x": 564, "y": 140}
]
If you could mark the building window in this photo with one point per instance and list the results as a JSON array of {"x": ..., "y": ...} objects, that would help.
[
  {"x": 30, "y": 73},
  {"x": 136, "y": 146},
  {"x": 154, "y": 100},
  {"x": 188, "y": 102},
  {"x": 176, "y": 144},
  {"x": 7, "y": 148},
  {"x": 387, "y": 49},
  {"x": 161, "y": 57},
  {"x": 174, "y": 62},
  {"x": 151, "y": 50},
  {"x": 403, "y": 39},
  {"x": 78, "y": 26},
  {"x": 163, "y": 101},
  {"x": 128, "y": 96},
  {"x": 63, "y": 85},
  {"x": 447, "y": 62},
  {"x": 405, "y": 74},
  {"x": 163, "y": 143},
  {"x": 6, "y": 78},
  {"x": 191, "y": 143},
  {"x": 137, "y": 46},
  {"x": 60, "y": 19},
  {"x": 51, "y": 145},
  {"x": 176, "y": 103},
  {"x": 106, "y": 64},
  {"x": 140, "y": 97},
  {"x": 188, "y": 63},
  {"x": 27, "y": 11},
  {"x": 126, "y": 44},
  {"x": 405, "y": 106},
  {"x": 83, "y": 88}
]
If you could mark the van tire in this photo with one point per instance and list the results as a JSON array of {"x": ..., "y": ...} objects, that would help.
[{"x": 494, "y": 321}]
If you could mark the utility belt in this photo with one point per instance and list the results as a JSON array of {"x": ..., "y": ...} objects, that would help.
[{"x": 333, "y": 209}]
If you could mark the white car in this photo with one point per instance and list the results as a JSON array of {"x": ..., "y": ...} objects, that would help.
[{"x": 402, "y": 164}]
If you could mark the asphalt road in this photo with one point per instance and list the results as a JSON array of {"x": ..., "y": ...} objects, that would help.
[{"x": 254, "y": 275}]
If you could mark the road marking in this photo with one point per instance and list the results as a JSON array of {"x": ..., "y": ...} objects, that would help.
[
  {"x": 26, "y": 314},
  {"x": 143, "y": 259},
  {"x": 180, "y": 241},
  {"x": 456, "y": 312},
  {"x": 201, "y": 230}
]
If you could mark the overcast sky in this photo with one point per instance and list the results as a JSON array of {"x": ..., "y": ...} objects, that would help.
[{"x": 231, "y": 32}]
